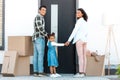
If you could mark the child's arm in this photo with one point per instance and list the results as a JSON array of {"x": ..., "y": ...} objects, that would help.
[{"x": 57, "y": 44}]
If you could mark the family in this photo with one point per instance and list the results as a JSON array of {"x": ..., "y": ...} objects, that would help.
[{"x": 78, "y": 35}]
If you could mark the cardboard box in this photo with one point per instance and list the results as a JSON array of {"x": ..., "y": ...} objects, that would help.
[
  {"x": 23, "y": 66},
  {"x": 22, "y": 44},
  {"x": 9, "y": 63},
  {"x": 14, "y": 65},
  {"x": 95, "y": 68}
]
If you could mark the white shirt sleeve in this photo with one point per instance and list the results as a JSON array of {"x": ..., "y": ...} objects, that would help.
[
  {"x": 77, "y": 25},
  {"x": 57, "y": 44}
]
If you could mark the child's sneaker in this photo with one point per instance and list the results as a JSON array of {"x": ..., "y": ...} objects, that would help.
[
  {"x": 52, "y": 75},
  {"x": 58, "y": 75}
]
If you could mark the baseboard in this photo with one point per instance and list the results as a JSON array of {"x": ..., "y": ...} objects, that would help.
[
  {"x": 112, "y": 71},
  {"x": 31, "y": 68}
]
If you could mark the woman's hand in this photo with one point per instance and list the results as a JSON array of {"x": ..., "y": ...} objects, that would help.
[{"x": 67, "y": 43}]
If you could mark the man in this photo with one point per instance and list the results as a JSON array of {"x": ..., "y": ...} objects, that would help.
[{"x": 39, "y": 42}]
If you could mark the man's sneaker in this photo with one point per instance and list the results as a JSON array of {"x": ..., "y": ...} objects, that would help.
[
  {"x": 41, "y": 74},
  {"x": 58, "y": 75},
  {"x": 35, "y": 74},
  {"x": 78, "y": 75}
]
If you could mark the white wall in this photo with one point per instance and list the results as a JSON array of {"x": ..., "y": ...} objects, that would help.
[
  {"x": 19, "y": 15},
  {"x": 97, "y": 31}
]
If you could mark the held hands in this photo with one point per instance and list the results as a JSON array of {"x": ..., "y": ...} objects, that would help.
[{"x": 67, "y": 43}]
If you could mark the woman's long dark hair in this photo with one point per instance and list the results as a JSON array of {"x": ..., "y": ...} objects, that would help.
[{"x": 84, "y": 14}]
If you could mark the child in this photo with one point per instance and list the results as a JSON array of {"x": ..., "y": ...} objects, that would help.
[{"x": 52, "y": 57}]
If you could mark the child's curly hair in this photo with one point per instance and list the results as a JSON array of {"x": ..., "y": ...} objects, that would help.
[{"x": 52, "y": 34}]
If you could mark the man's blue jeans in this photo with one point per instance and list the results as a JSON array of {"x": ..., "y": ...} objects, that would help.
[{"x": 38, "y": 56}]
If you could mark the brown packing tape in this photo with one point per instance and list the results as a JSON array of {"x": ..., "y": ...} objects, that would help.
[
  {"x": 5, "y": 66},
  {"x": 24, "y": 53},
  {"x": 12, "y": 65}
]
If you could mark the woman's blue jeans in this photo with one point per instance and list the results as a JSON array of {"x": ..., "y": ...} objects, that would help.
[{"x": 38, "y": 55}]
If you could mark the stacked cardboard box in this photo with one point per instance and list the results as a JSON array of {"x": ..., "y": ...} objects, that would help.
[
  {"x": 17, "y": 58},
  {"x": 23, "y": 66},
  {"x": 22, "y": 44}
]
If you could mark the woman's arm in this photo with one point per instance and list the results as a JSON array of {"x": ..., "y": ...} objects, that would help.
[{"x": 77, "y": 25}]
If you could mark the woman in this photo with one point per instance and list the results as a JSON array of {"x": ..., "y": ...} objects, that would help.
[{"x": 79, "y": 36}]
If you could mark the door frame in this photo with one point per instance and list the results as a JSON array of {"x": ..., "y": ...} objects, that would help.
[
  {"x": 77, "y": 3},
  {"x": 77, "y": 6}
]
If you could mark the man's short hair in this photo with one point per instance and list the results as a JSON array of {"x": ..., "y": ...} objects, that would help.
[{"x": 42, "y": 7}]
